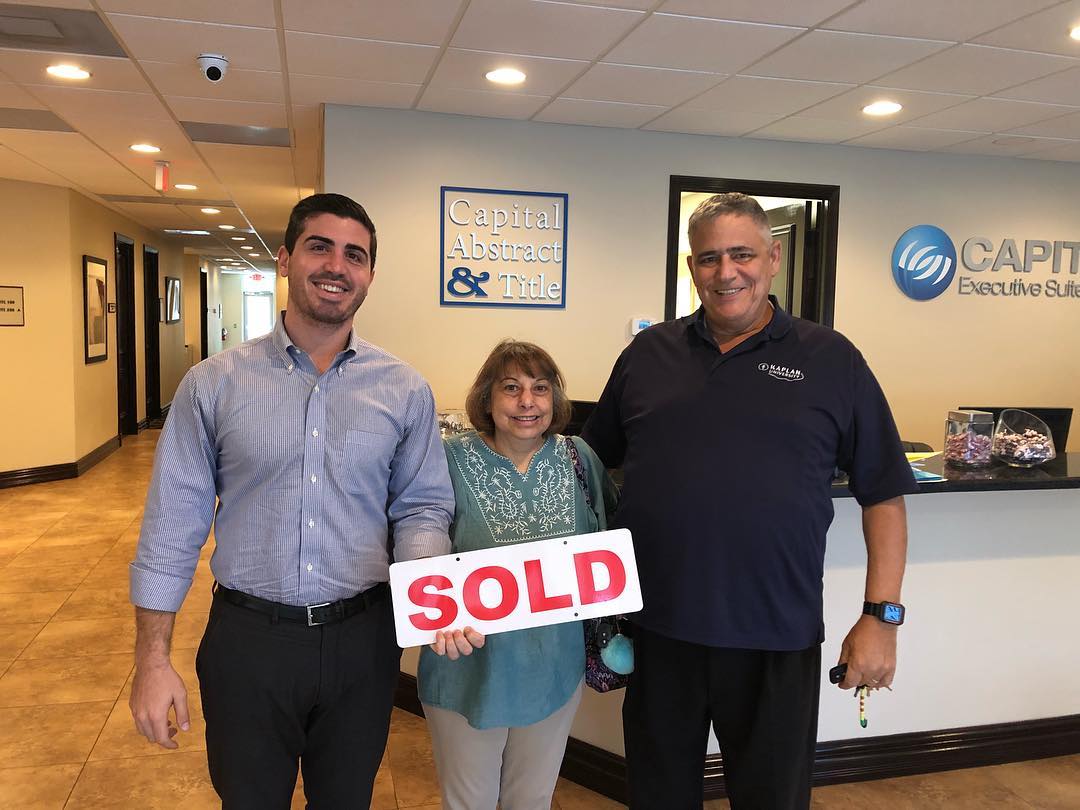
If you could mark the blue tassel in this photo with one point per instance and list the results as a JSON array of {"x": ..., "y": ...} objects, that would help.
[{"x": 618, "y": 655}]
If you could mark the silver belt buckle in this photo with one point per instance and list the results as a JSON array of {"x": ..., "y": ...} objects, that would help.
[{"x": 311, "y": 621}]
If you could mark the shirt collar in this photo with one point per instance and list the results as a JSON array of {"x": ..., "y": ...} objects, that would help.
[
  {"x": 778, "y": 326},
  {"x": 285, "y": 347}
]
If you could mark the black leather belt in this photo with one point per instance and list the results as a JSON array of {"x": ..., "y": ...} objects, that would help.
[{"x": 311, "y": 615}]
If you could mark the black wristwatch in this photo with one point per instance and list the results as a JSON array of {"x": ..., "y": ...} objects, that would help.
[{"x": 888, "y": 612}]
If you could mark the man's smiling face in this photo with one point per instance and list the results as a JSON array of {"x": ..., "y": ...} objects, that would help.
[
  {"x": 733, "y": 264},
  {"x": 329, "y": 269}
]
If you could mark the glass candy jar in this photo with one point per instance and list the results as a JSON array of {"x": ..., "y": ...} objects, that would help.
[{"x": 969, "y": 438}]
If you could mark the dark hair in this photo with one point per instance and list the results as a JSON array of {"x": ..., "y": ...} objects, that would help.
[
  {"x": 732, "y": 203},
  {"x": 337, "y": 204},
  {"x": 528, "y": 358}
]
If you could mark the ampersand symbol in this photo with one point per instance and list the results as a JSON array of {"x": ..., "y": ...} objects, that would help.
[{"x": 461, "y": 275}]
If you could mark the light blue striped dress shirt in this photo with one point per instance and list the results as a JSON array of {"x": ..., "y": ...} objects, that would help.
[{"x": 316, "y": 476}]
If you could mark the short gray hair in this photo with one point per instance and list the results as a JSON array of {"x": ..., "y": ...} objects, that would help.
[{"x": 731, "y": 203}]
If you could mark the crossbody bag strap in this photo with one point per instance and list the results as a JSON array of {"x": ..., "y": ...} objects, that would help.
[{"x": 579, "y": 470}]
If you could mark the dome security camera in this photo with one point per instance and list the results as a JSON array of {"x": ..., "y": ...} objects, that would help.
[{"x": 213, "y": 66}]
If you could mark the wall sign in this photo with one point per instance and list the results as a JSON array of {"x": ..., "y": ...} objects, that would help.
[
  {"x": 11, "y": 307},
  {"x": 502, "y": 248},
  {"x": 494, "y": 590},
  {"x": 925, "y": 261}
]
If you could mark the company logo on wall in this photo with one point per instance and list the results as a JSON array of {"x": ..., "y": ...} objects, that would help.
[
  {"x": 501, "y": 248},
  {"x": 923, "y": 262}
]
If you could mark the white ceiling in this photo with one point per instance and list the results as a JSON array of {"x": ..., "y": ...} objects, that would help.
[{"x": 987, "y": 77}]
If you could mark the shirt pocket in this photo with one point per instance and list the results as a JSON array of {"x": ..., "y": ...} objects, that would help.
[{"x": 367, "y": 460}]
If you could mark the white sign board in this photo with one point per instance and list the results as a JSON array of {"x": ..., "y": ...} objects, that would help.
[{"x": 494, "y": 590}]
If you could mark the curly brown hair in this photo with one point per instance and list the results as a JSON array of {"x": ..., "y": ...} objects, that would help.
[{"x": 529, "y": 359}]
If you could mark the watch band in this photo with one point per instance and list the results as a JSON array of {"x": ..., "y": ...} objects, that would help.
[{"x": 889, "y": 612}]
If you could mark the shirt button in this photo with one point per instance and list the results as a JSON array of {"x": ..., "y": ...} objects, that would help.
[
  {"x": 313, "y": 478},
  {"x": 315, "y": 433},
  {"x": 309, "y": 566},
  {"x": 316, "y": 389},
  {"x": 290, "y": 368},
  {"x": 311, "y": 524}
]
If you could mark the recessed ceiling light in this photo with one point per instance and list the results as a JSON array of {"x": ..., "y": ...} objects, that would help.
[
  {"x": 882, "y": 108},
  {"x": 67, "y": 72},
  {"x": 186, "y": 187},
  {"x": 246, "y": 247},
  {"x": 254, "y": 255},
  {"x": 148, "y": 148},
  {"x": 187, "y": 232},
  {"x": 1075, "y": 33},
  {"x": 237, "y": 238},
  {"x": 210, "y": 210},
  {"x": 505, "y": 76},
  {"x": 227, "y": 227}
]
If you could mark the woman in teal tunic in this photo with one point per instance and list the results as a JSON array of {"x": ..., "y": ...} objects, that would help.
[{"x": 499, "y": 718}]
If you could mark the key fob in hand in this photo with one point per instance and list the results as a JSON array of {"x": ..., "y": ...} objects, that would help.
[{"x": 837, "y": 673}]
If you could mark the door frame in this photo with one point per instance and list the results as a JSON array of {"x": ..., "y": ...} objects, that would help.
[
  {"x": 152, "y": 329},
  {"x": 126, "y": 383}
]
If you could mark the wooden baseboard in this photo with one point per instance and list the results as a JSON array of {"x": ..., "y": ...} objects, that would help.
[
  {"x": 58, "y": 472},
  {"x": 838, "y": 761}
]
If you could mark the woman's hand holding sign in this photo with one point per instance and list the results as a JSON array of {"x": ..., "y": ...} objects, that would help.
[{"x": 453, "y": 643}]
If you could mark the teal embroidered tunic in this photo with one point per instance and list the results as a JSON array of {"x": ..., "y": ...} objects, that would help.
[{"x": 521, "y": 677}]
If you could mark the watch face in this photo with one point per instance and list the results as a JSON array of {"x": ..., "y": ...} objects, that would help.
[{"x": 892, "y": 613}]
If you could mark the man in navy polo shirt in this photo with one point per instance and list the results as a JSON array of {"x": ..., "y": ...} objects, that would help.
[{"x": 729, "y": 424}]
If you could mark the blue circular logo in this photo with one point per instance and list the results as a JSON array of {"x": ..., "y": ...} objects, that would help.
[{"x": 923, "y": 262}]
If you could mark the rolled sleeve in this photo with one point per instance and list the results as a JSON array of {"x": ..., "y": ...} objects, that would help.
[{"x": 421, "y": 497}]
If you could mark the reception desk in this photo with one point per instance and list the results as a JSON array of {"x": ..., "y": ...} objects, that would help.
[{"x": 993, "y": 625}]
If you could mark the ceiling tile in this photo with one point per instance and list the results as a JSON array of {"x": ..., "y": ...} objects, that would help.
[
  {"x": 14, "y": 166},
  {"x": 357, "y": 92},
  {"x": 1046, "y": 31},
  {"x": 73, "y": 157},
  {"x": 542, "y": 28},
  {"x": 640, "y": 85},
  {"x": 426, "y": 22},
  {"x": 832, "y": 56},
  {"x": 1059, "y": 88},
  {"x": 769, "y": 96},
  {"x": 107, "y": 72},
  {"x": 11, "y": 95},
  {"x": 804, "y": 13},
  {"x": 185, "y": 79},
  {"x": 319, "y": 55},
  {"x": 474, "y": 102},
  {"x": 465, "y": 70},
  {"x": 1002, "y": 146},
  {"x": 956, "y": 20},
  {"x": 637, "y": 5},
  {"x": 598, "y": 113},
  {"x": 710, "y": 122},
  {"x": 974, "y": 69},
  {"x": 992, "y": 115},
  {"x": 913, "y": 138},
  {"x": 849, "y": 106},
  {"x": 251, "y": 166},
  {"x": 181, "y": 41},
  {"x": 79, "y": 104},
  {"x": 817, "y": 130},
  {"x": 693, "y": 43},
  {"x": 1065, "y": 127},
  {"x": 1065, "y": 151},
  {"x": 216, "y": 111},
  {"x": 236, "y": 12}
]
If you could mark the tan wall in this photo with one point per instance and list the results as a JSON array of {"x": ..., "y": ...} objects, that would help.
[
  {"x": 192, "y": 324},
  {"x": 929, "y": 356},
  {"x": 37, "y": 407},
  {"x": 93, "y": 230}
]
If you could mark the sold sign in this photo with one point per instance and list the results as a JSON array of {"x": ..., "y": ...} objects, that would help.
[{"x": 512, "y": 587}]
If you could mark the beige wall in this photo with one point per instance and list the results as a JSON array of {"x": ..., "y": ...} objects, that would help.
[
  {"x": 59, "y": 407},
  {"x": 37, "y": 407},
  {"x": 192, "y": 334},
  {"x": 929, "y": 356}
]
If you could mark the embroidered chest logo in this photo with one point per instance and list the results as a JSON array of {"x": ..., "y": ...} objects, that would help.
[{"x": 781, "y": 372}]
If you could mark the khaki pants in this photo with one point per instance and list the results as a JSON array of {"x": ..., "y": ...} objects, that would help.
[{"x": 515, "y": 768}]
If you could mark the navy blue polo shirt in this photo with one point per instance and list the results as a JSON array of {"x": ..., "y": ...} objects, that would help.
[{"x": 728, "y": 460}]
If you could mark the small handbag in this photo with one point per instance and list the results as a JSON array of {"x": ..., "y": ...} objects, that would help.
[{"x": 609, "y": 655}]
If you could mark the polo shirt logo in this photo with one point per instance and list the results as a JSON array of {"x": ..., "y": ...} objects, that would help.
[{"x": 781, "y": 372}]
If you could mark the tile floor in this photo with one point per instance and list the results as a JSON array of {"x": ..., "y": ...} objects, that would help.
[{"x": 66, "y": 635}]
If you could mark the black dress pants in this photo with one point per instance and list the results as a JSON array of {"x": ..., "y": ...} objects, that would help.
[
  {"x": 279, "y": 694},
  {"x": 762, "y": 704}
]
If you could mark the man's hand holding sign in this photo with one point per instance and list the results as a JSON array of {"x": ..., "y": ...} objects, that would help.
[{"x": 500, "y": 589}]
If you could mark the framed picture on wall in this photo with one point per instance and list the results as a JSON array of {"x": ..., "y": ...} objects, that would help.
[
  {"x": 172, "y": 299},
  {"x": 95, "y": 309}
]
